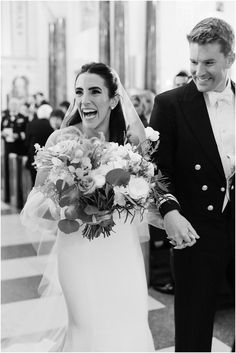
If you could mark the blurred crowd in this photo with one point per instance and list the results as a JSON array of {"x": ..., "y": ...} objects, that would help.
[
  {"x": 31, "y": 121},
  {"x": 27, "y": 122}
]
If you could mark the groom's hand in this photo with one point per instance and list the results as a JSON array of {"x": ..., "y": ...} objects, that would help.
[{"x": 180, "y": 232}]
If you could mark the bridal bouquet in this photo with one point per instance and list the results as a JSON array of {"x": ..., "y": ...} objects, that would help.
[{"x": 89, "y": 178}]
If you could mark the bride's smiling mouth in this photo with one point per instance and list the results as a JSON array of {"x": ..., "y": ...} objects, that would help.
[{"x": 88, "y": 113}]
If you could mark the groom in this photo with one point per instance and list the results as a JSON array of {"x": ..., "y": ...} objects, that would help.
[{"x": 197, "y": 156}]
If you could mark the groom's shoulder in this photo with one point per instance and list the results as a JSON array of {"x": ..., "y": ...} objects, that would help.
[{"x": 177, "y": 93}]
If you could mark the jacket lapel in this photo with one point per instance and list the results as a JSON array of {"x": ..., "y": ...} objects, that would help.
[{"x": 196, "y": 115}]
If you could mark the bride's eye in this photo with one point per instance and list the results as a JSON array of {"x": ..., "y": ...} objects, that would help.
[
  {"x": 79, "y": 92},
  {"x": 96, "y": 91}
]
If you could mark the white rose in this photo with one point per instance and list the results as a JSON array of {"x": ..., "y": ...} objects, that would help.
[
  {"x": 86, "y": 162},
  {"x": 79, "y": 153},
  {"x": 63, "y": 147},
  {"x": 151, "y": 134},
  {"x": 135, "y": 157},
  {"x": 119, "y": 163},
  {"x": 99, "y": 180},
  {"x": 138, "y": 188},
  {"x": 122, "y": 151},
  {"x": 119, "y": 198},
  {"x": 150, "y": 169}
]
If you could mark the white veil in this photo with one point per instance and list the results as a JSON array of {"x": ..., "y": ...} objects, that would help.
[
  {"x": 132, "y": 120},
  {"x": 46, "y": 338}
]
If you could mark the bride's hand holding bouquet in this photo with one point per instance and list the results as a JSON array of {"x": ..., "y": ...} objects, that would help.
[{"x": 89, "y": 179}]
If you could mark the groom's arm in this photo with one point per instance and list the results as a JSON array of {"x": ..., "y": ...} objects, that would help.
[{"x": 162, "y": 120}]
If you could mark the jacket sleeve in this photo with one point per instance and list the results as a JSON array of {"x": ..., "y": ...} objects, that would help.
[{"x": 163, "y": 120}]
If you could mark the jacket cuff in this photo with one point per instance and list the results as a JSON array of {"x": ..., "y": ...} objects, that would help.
[{"x": 167, "y": 203}]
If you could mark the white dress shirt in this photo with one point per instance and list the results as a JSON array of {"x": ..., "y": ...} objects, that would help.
[{"x": 221, "y": 110}]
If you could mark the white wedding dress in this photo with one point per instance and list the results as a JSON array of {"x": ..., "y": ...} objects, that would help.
[{"x": 102, "y": 290}]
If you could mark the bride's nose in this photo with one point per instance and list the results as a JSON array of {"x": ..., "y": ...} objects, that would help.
[{"x": 85, "y": 99}]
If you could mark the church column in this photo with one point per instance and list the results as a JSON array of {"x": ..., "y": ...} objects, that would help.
[
  {"x": 52, "y": 65},
  {"x": 119, "y": 39},
  {"x": 104, "y": 32},
  {"x": 151, "y": 41},
  {"x": 57, "y": 62}
]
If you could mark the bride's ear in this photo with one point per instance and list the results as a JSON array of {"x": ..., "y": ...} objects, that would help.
[{"x": 114, "y": 101}]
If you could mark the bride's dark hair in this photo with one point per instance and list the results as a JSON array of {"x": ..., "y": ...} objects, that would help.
[{"x": 117, "y": 127}]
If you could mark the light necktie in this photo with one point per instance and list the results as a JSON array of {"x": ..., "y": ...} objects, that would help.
[{"x": 225, "y": 96}]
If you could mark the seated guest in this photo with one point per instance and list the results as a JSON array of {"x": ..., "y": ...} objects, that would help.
[
  {"x": 148, "y": 101},
  {"x": 37, "y": 131},
  {"x": 56, "y": 118},
  {"x": 181, "y": 79},
  {"x": 139, "y": 107},
  {"x": 64, "y": 106}
]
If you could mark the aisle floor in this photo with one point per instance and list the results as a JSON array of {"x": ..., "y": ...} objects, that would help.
[{"x": 21, "y": 274}]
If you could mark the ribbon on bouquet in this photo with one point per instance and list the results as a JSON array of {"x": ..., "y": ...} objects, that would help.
[{"x": 100, "y": 217}]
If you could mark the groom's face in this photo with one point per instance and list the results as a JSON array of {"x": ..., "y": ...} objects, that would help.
[{"x": 209, "y": 66}]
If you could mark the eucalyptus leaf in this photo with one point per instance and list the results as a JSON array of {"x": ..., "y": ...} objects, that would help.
[
  {"x": 64, "y": 201},
  {"x": 118, "y": 177},
  {"x": 68, "y": 226},
  {"x": 61, "y": 185},
  {"x": 71, "y": 212},
  {"x": 90, "y": 210}
]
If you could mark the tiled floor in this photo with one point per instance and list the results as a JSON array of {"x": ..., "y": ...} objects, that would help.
[{"x": 21, "y": 274}]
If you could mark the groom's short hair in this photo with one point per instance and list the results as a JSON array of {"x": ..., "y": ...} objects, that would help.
[{"x": 213, "y": 30}]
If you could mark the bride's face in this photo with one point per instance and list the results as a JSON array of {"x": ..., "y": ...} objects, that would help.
[{"x": 92, "y": 100}]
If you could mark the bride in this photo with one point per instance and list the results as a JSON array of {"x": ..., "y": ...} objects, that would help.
[{"x": 101, "y": 282}]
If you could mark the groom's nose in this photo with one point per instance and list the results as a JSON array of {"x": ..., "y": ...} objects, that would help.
[{"x": 200, "y": 69}]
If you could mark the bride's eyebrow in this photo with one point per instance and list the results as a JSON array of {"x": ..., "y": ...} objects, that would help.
[
  {"x": 79, "y": 89},
  {"x": 95, "y": 87}
]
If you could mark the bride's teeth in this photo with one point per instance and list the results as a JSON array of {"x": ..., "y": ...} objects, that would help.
[{"x": 89, "y": 113}]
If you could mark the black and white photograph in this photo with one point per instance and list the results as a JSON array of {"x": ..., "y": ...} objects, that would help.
[{"x": 118, "y": 176}]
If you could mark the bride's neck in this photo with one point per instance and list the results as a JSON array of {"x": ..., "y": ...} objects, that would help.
[{"x": 104, "y": 128}]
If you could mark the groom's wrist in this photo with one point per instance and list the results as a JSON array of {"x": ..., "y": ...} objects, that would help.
[{"x": 167, "y": 203}]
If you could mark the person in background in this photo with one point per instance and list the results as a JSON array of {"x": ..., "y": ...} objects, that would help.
[
  {"x": 37, "y": 131},
  {"x": 13, "y": 127},
  {"x": 139, "y": 107},
  {"x": 181, "y": 79},
  {"x": 148, "y": 101},
  {"x": 196, "y": 156},
  {"x": 56, "y": 118},
  {"x": 64, "y": 106},
  {"x": 40, "y": 99}
]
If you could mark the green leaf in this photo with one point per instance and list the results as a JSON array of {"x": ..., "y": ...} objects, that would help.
[
  {"x": 90, "y": 210},
  {"x": 85, "y": 218},
  {"x": 64, "y": 201},
  {"x": 71, "y": 212},
  {"x": 61, "y": 185},
  {"x": 68, "y": 226},
  {"x": 118, "y": 177}
]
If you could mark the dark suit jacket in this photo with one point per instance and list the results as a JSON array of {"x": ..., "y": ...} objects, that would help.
[
  {"x": 188, "y": 153},
  {"x": 37, "y": 131}
]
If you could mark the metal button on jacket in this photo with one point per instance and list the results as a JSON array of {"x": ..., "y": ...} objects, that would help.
[
  {"x": 222, "y": 189},
  {"x": 210, "y": 208},
  {"x": 197, "y": 167},
  {"x": 204, "y": 187}
]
